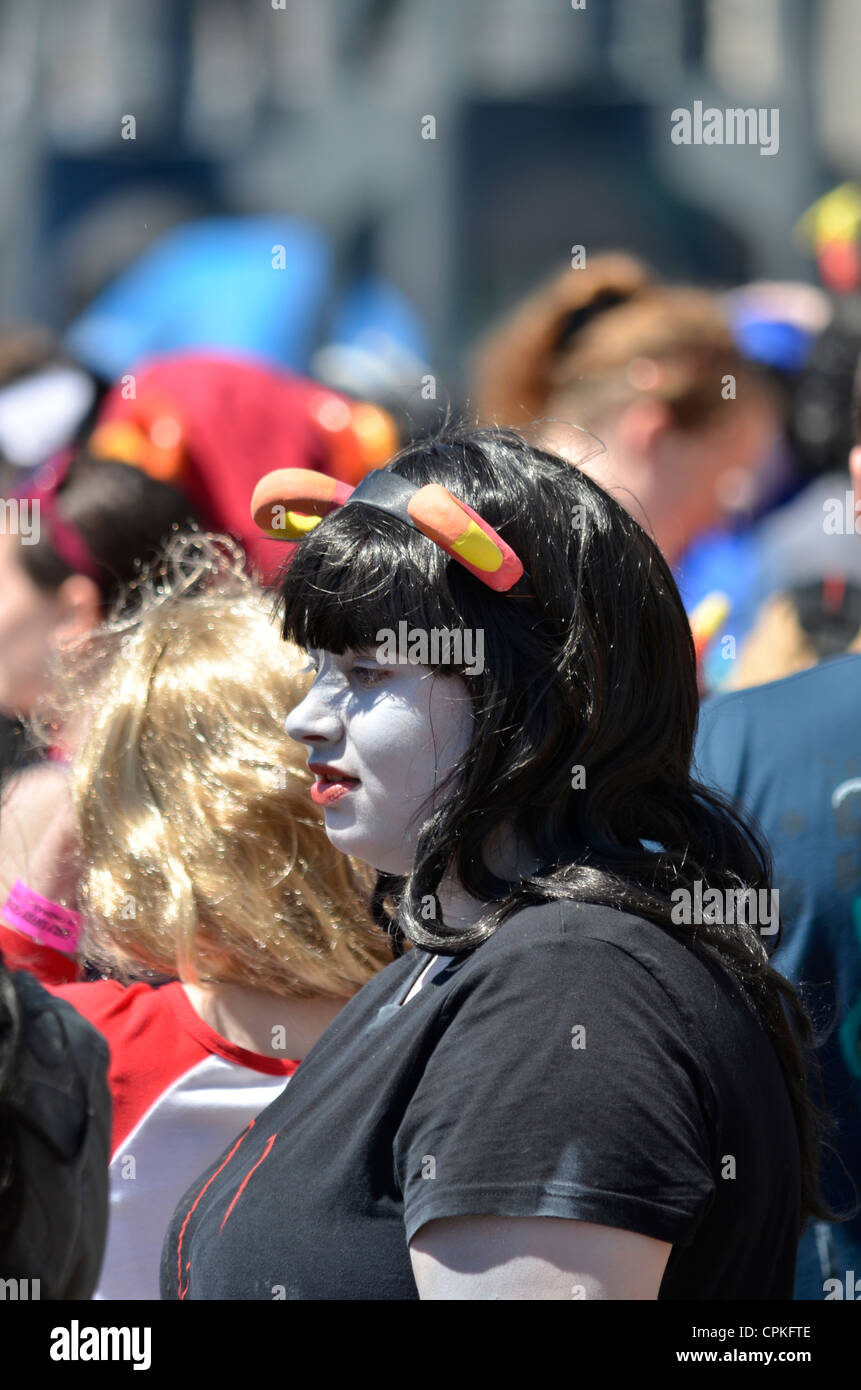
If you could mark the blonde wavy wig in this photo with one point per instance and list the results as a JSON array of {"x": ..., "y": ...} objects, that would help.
[{"x": 203, "y": 854}]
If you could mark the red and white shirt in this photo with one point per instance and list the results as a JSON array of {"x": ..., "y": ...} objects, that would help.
[{"x": 181, "y": 1095}]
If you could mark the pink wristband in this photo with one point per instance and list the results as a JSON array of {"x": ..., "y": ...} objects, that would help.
[{"x": 47, "y": 922}]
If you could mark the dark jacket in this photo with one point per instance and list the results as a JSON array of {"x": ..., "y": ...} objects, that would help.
[{"x": 57, "y": 1112}]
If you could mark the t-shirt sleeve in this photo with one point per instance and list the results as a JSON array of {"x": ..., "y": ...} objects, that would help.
[
  {"x": 564, "y": 1083},
  {"x": 722, "y": 744}
]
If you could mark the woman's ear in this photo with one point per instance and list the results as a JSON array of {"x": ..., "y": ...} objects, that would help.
[
  {"x": 79, "y": 607},
  {"x": 642, "y": 426}
]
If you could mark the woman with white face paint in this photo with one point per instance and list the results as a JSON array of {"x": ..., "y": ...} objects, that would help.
[
  {"x": 381, "y": 738},
  {"x": 532, "y": 1103}
]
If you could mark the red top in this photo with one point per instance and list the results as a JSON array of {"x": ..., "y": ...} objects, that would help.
[
  {"x": 21, "y": 952},
  {"x": 154, "y": 1034}
]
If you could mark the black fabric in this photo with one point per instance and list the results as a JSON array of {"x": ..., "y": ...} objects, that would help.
[
  {"x": 14, "y": 754},
  {"x": 473, "y": 1098},
  {"x": 61, "y": 1108}
]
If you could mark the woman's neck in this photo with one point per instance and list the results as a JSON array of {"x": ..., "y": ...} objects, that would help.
[
  {"x": 269, "y": 1024},
  {"x": 507, "y": 855}
]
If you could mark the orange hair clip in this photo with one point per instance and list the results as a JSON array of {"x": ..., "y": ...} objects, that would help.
[{"x": 290, "y": 502}]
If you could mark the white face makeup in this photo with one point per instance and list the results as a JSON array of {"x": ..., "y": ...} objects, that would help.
[{"x": 386, "y": 736}]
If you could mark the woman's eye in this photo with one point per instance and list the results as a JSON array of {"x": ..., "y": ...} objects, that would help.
[
  {"x": 367, "y": 676},
  {"x": 310, "y": 667}
]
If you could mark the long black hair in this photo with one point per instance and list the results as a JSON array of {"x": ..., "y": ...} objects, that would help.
[{"x": 585, "y": 715}]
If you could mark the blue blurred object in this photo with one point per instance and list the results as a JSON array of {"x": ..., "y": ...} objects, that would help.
[
  {"x": 773, "y": 342},
  {"x": 776, "y": 322},
  {"x": 263, "y": 287},
  {"x": 800, "y": 543},
  {"x": 724, "y": 560},
  {"x": 730, "y": 563},
  {"x": 370, "y": 311}
]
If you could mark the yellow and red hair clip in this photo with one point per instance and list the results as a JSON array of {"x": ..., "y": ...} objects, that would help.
[{"x": 290, "y": 502}]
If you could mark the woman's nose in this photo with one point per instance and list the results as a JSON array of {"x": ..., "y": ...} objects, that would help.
[{"x": 314, "y": 720}]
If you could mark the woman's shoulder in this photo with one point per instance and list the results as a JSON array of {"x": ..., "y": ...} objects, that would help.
[
  {"x": 572, "y": 923},
  {"x": 588, "y": 947},
  {"x": 100, "y": 1000},
  {"x": 49, "y": 1013}
]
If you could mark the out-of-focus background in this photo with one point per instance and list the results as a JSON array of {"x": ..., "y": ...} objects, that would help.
[
  {"x": 355, "y": 192},
  {"x": 552, "y": 128},
  {"x": 242, "y": 235}
]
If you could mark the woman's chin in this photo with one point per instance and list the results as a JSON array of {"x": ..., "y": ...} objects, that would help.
[{"x": 385, "y": 861}]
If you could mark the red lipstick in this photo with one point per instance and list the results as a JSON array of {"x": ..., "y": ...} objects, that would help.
[{"x": 331, "y": 784}]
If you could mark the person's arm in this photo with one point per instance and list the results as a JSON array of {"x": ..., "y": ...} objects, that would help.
[
  {"x": 561, "y": 1132},
  {"x": 497, "y": 1257}
]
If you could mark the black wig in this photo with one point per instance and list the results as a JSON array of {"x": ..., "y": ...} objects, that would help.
[{"x": 585, "y": 714}]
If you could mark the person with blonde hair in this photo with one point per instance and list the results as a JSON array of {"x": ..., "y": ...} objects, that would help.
[{"x": 234, "y": 931}]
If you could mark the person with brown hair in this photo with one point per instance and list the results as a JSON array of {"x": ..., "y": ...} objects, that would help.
[{"x": 653, "y": 370}]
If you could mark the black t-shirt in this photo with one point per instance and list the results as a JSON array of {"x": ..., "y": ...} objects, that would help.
[{"x": 581, "y": 1063}]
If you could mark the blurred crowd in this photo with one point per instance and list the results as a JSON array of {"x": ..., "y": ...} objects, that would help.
[{"x": 133, "y": 594}]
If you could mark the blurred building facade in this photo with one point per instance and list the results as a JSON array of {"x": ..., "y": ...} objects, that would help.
[{"x": 550, "y": 128}]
